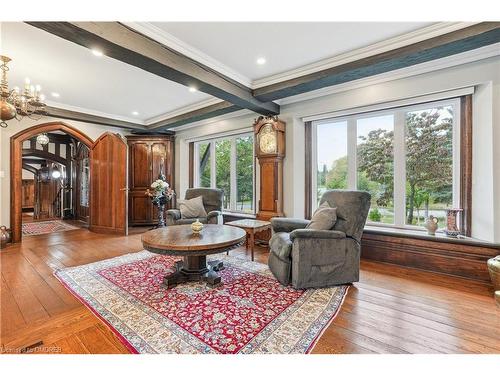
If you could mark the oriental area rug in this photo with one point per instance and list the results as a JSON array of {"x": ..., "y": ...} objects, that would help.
[
  {"x": 249, "y": 313},
  {"x": 44, "y": 227}
]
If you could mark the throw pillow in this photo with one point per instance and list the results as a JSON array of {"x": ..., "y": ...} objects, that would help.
[
  {"x": 192, "y": 208},
  {"x": 324, "y": 218}
]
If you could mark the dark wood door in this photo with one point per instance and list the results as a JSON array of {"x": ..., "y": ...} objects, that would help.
[
  {"x": 140, "y": 180},
  {"x": 28, "y": 194},
  {"x": 46, "y": 193},
  {"x": 148, "y": 155},
  {"x": 108, "y": 185}
]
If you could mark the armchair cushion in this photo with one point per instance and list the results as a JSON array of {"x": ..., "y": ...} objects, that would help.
[
  {"x": 192, "y": 208},
  {"x": 314, "y": 233},
  {"x": 283, "y": 224},
  {"x": 324, "y": 218},
  {"x": 281, "y": 245}
]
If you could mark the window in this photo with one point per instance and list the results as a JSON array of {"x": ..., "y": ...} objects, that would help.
[
  {"x": 228, "y": 163},
  {"x": 407, "y": 158}
]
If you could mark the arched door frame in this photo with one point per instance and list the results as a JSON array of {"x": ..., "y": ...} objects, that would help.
[{"x": 16, "y": 165}]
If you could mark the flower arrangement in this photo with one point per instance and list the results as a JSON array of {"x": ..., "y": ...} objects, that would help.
[{"x": 161, "y": 192}]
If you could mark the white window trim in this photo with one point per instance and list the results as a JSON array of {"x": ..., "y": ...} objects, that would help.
[
  {"x": 399, "y": 154},
  {"x": 231, "y": 136}
]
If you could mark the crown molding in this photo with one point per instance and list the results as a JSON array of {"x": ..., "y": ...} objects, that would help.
[
  {"x": 167, "y": 39},
  {"x": 361, "y": 53},
  {"x": 92, "y": 112},
  {"x": 434, "y": 65}
]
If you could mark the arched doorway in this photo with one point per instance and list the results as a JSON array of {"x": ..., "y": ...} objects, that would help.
[{"x": 16, "y": 166}]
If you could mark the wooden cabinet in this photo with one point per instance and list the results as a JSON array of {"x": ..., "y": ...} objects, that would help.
[{"x": 148, "y": 155}]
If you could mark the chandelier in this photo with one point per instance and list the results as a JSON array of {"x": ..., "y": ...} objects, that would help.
[
  {"x": 17, "y": 104},
  {"x": 43, "y": 139}
]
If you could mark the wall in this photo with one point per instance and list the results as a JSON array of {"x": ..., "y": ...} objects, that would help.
[
  {"x": 92, "y": 130},
  {"x": 483, "y": 74}
]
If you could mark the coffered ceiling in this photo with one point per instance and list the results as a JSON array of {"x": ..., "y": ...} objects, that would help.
[{"x": 251, "y": 55}]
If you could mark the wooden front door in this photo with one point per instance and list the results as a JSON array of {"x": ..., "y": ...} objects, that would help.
[{"x": 108, "y": 185}]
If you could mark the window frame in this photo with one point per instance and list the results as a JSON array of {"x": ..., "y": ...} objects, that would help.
[
  {"x": 399, "y": 124},
  {"x": 233, "y": 194}
]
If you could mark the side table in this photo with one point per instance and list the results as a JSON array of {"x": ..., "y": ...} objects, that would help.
[{"x": 250, "y": 226}]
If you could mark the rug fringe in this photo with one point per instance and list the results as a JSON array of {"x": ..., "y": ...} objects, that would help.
[{"x": 318, "y": 336}]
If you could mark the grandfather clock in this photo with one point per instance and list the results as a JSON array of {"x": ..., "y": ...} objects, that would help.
[{"x": 270, "y": 151}]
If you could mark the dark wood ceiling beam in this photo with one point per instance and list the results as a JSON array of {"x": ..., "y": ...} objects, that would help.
[
  {"x": 129, "y": 46},
  {"x": 85, "y": 117},
  {"x": 33, "y": 161},
  {"x": 54, "y": 138},
  {"x": 30, "y": 168},
  {"x": 44, "y": 155},
  {"x": 459, "y": 41},
  {"x": 204, "y": 113}
]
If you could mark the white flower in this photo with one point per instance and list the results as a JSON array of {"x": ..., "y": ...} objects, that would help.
[{"x": 160, "y": 185}]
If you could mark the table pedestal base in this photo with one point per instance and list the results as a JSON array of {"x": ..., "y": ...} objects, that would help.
[{"x": 194, "y": 268}]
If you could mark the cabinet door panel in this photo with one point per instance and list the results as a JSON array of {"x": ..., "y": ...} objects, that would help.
[
  {"x": 140, "y": 165},
  {"x": 140, "y": 208},
  {"x": 160, "y": 159}
]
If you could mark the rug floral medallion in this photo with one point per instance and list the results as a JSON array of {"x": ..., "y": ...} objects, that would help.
[{"x": 250, "y": 312}]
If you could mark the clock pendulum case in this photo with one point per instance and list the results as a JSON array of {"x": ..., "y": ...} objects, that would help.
[{"x": 270, "y": 151}]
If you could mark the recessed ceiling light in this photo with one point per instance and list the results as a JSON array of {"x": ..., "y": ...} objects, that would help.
[
  {"x": 55, "y": 94},
  {"x": 96, "y": 52},
  {"x": 135, "y": 113},
  {"x": 261, "y": 61},
  {"x": 192, "y": 89}
]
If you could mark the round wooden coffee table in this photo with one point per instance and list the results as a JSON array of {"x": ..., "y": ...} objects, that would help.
[{"x": 181, "y": 241}]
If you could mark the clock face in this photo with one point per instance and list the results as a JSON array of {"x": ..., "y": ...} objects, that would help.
[{"x": 267, "y": 139}]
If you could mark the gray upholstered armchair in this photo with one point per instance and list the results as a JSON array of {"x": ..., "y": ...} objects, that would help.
[
  {"x": 212, "y": 201},
  {"x": 318, "y": 258}
]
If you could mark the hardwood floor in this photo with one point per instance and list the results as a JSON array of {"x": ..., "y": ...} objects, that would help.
[{"x": 391, "y": 310}]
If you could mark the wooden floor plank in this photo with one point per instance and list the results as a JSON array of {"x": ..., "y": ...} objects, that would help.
[
  {"x": 391, "y": 310},
  {"x": 11, "y": 316}
]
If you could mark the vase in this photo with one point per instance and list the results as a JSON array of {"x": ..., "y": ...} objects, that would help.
[
  {"x": 494, "y": 270},
  {"x": 4, "y": 236},
  {"x": 451, "y": 229},
  {"x": 431, "y": 224}
]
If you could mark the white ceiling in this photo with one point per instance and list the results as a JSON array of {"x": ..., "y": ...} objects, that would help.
[
  {"x": 97, "y": 84},
  {"x": 285, "y": 45},
  {"x": 107, "y": 87}
]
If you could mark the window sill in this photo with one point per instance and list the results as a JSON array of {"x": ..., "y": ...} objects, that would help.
[
  {"x": 422, "y": 235},
  {"x": 236, "y": 215}
]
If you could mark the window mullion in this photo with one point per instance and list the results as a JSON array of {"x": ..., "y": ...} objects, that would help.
[
  {"x": 232, "y": 176},
  {"x": 196, "y": 169},
  {"x": 351, "y": 153},
  {"x": 399, "y": 169},
  {"x": 213, "y": 169}
]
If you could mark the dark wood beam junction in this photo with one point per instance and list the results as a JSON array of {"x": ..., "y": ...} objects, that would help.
[
  {"x": 459, "y": 41},
  {"x": 118, "y": 41},
  {"x": 204, "y": 113}
]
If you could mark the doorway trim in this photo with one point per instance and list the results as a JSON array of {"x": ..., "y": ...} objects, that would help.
[{"x": 16, "y": 166}]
